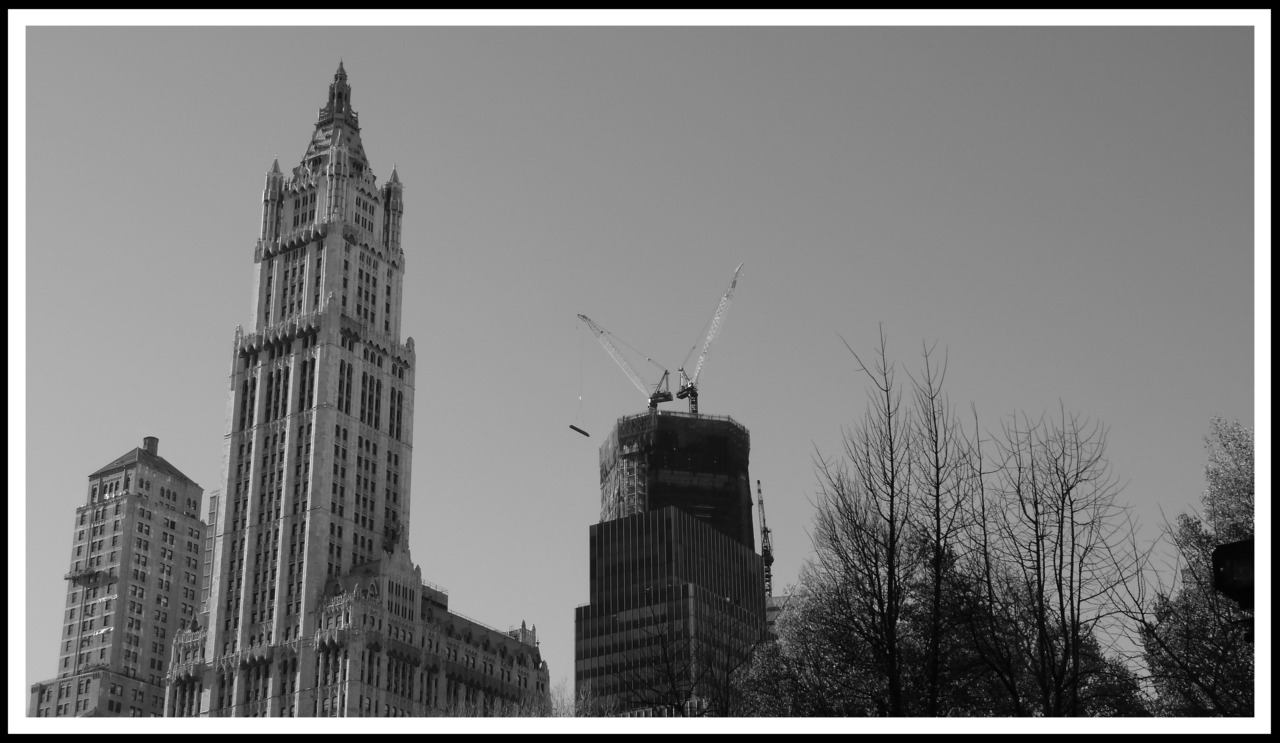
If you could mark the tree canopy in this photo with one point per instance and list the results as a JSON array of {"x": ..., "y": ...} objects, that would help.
[{"x": 1197, "y": 643}]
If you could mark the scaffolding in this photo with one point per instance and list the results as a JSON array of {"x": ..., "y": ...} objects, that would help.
[
  {"x": 624, "y": 466},
  {"x": 83, "y": 576},
  {"x": 695, "y": 462}
]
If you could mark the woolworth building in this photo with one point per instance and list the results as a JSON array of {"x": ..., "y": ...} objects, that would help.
[{"x": 315, "y": 607}]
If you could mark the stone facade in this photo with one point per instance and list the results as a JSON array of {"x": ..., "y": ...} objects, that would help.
[{"x": 384, "y": 644}]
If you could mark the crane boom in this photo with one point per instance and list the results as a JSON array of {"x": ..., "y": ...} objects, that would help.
[
  {"x": 659, "y": 393},
  {"x": 689, "y": 385}
]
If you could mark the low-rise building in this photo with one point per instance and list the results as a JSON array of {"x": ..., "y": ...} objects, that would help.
[{"x": 386, "y": 644}]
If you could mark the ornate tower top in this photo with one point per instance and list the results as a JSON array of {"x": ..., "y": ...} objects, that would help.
[
  {"x": 337, "y": 126},
  {"x": 339, "y": 105}
]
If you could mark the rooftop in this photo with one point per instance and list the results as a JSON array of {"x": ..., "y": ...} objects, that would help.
[{"x": 142, "y": 456}]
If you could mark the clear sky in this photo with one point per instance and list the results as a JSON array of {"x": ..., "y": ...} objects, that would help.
[{"x": 1067, "y": 212}]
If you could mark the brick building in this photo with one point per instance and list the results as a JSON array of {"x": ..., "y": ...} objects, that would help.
[{"x": 132, "y": 583}]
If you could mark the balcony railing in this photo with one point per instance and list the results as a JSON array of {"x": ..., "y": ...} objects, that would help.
[{"x": 477, "y": 622}]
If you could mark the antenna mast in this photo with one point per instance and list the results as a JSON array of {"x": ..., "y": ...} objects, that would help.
[{"x": 766, "y": 545}]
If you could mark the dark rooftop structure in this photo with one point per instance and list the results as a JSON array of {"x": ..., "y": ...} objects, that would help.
[
  {"x": 696, "y": 463},
  {"x": 148, "y": 455}
]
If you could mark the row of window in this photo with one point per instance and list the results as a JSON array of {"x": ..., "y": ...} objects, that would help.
[{"x": 99, "y": 514}]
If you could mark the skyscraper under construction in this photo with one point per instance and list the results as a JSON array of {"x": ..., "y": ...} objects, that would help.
[{"x": 676, "y": 587}]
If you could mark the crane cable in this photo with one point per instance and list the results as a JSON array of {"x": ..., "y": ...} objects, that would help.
[
  {"x": 636, "y": 351},
  {"x": 581, "y": 354}
]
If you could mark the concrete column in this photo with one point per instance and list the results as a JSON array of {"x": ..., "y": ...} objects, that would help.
[
  {"x": 252, "y": 688},
  {"x": 206, "y": 700},
  {"x": 322, "y": 665},
  {"x": 239, "y": 692},
  {"x": 305, "y": 695},
  {"x": 274, "y": 700},
  {"x": 344, "y": 681}
]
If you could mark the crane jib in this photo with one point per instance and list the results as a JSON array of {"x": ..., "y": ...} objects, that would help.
[
  {"x": 659, "y": 393},
  {"x": 689, "y": 383}
]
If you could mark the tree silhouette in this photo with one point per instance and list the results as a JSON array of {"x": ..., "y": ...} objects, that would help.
[{"x": 1197, "y": 643}]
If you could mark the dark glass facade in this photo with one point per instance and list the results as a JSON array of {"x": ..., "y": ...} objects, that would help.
[
  {"x": 697, "y": 463},
  {"x": 676, "y": 587}
]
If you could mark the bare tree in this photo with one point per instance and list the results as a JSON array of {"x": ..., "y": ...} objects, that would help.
[
  {"x": 565, "y": 702},
  {"x": 940, "y": 468},
  {"x": 986, "y": 605},
  {"x": 958, "y": 574},
  {"x": 658, "y": 667},
  {"x": 1060, "y": 538},
  {"x": 689, "y": 657},
  {"x": 861, "y": 560},
  {"x": 589, "y": 700}
]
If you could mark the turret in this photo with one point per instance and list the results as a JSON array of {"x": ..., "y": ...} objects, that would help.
[
  {"x": 393, "y": 210},
  {"x": 272, "y": 200},
  {"x": 336, "y": 172}
]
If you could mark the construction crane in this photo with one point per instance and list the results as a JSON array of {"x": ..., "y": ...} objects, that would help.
[
  {"x": 689, "y": 385},
  {"x": 766, "y": 545},
  {"x": 661, "y": 392}
]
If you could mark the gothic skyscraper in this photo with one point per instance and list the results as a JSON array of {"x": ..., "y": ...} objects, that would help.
[
  {"x": 320, "y": 411},
  {"x": 315, "y": 607}
]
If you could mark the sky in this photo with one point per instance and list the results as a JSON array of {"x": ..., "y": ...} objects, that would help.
[{"x": 1068, "y": 213}]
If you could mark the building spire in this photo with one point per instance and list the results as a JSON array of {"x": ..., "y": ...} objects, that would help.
[
  {"x": 337, "y": 128},
  {"x": 338, "y": 107}
]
